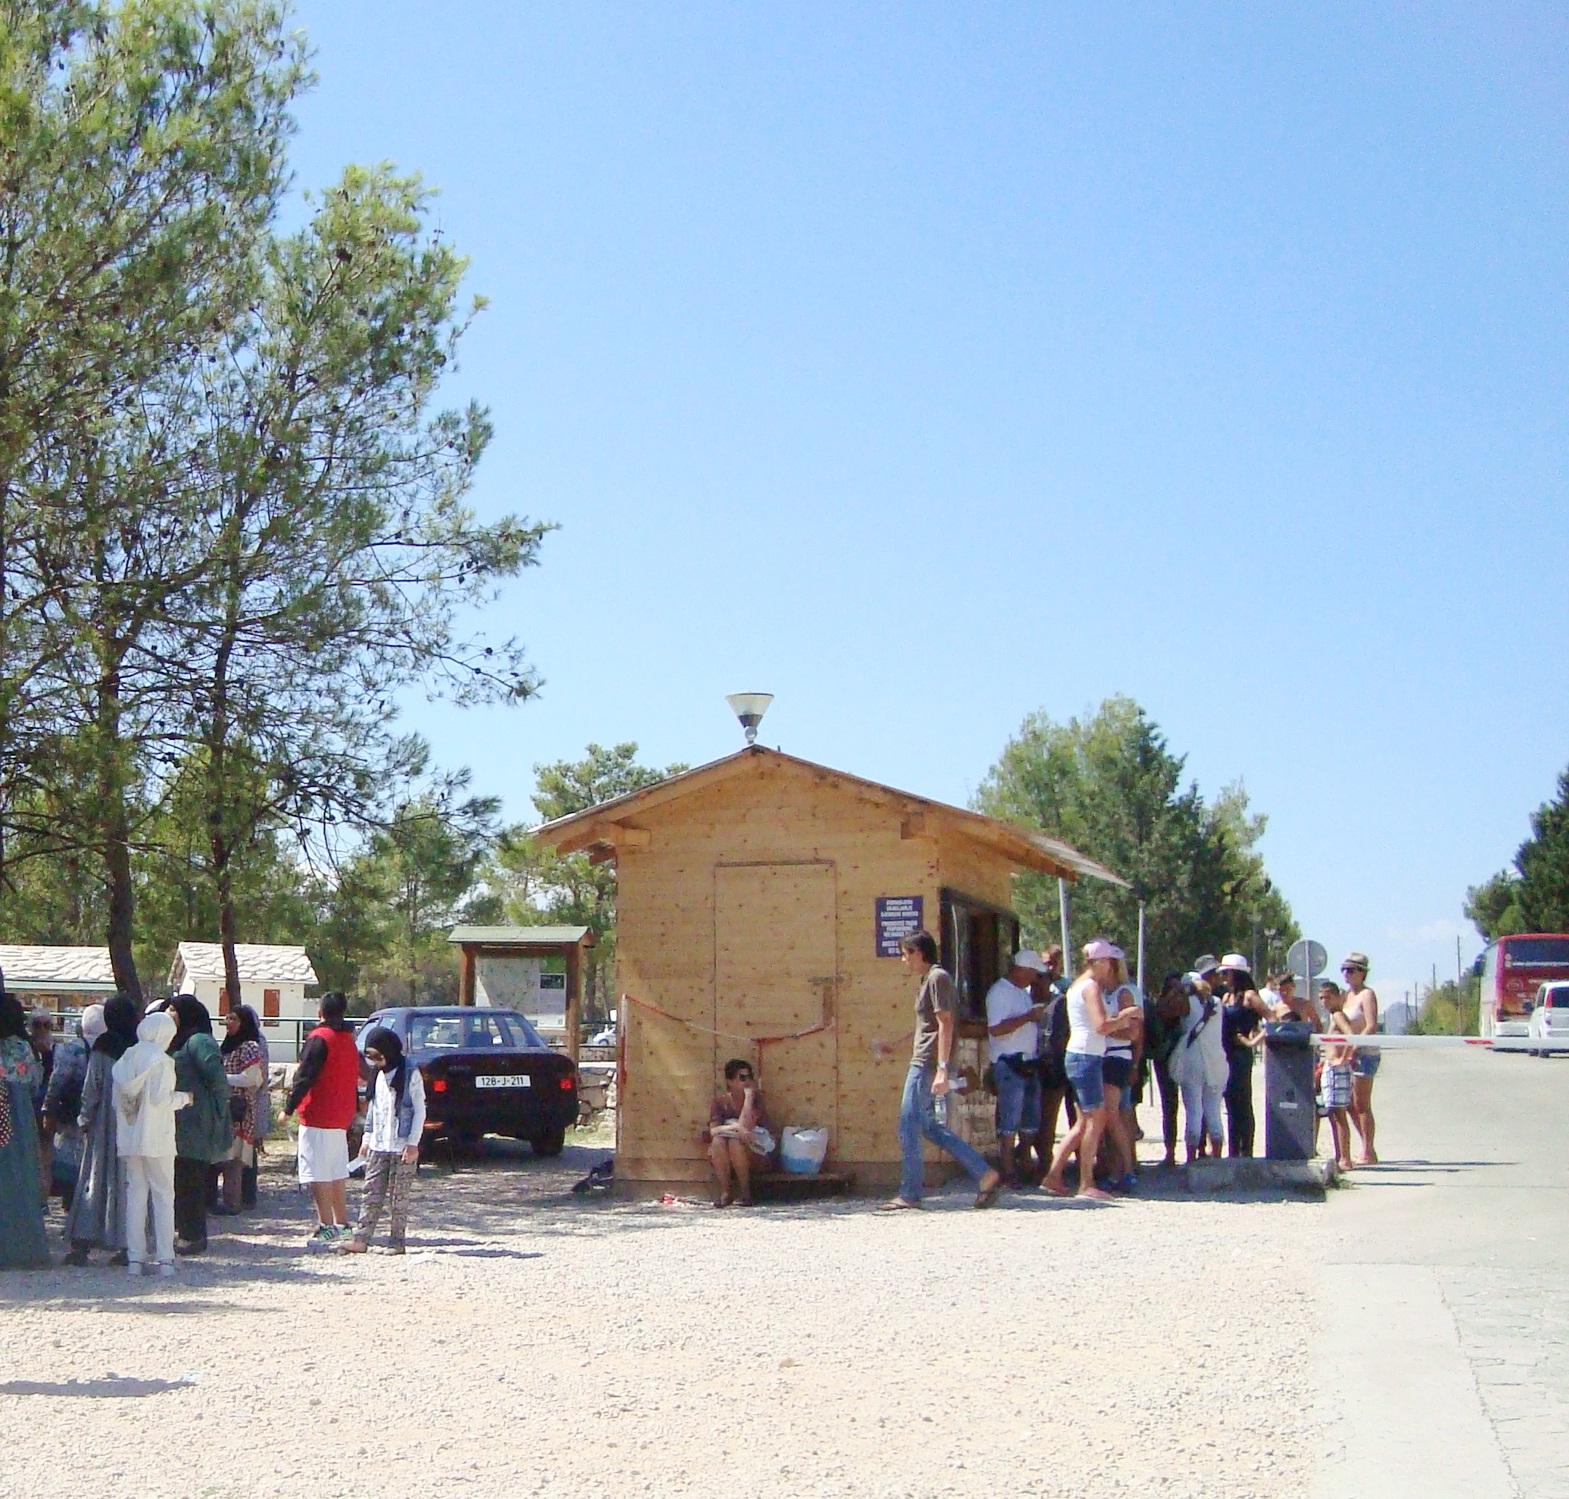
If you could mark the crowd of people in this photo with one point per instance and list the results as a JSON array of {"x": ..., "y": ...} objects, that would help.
[
  {"x": 149, "y": 1121},
  {"x": 146, "y": 1125},
  {"x": 1092, "y": 1047}
]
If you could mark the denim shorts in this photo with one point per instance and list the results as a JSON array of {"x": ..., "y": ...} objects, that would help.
[
  {"x": 1086, "y": 1073},
  {"x": 1018, "y": 1100},
  {"x": 1117, "y": 1070},
  {"x": 1365, "y": 1062}
]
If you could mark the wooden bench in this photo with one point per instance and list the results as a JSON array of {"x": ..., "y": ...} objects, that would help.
[{"x": 786, "y": 1186}]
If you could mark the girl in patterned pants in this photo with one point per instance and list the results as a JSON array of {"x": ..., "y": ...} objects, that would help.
[{"x": 394, "y": 1123}]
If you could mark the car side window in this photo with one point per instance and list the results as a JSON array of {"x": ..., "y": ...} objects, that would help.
[{"x": 435, "y": 1033}]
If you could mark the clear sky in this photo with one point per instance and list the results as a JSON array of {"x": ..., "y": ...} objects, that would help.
[{"x": 930, "y": 364}]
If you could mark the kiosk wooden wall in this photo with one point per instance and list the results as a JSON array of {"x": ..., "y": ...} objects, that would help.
[{"x": 749, "y": 911}]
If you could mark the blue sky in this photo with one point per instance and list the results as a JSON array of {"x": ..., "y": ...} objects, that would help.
[{"x": 928, "y": 365}]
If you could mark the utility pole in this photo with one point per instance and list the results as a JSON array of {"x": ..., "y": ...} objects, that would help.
[{"x": 1459, "y": 981}]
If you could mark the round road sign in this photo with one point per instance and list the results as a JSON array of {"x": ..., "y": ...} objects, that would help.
[{"x": 1306, "y": 957}]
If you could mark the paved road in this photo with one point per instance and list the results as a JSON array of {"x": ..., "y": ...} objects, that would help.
[{"x": 1443, "y": 1367}]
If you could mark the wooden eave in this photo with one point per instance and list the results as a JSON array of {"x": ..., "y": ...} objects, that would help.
[{"x": 602, "y": 830}]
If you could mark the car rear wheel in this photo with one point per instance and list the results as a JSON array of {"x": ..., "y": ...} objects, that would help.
[{"x": 551, "y": 1142}]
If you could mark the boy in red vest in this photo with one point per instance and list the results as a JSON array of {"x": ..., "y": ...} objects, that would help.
[{"x": 326, "y": 1093}]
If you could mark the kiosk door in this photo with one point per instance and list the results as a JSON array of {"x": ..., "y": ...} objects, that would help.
[{"x": 775, "y": 973}]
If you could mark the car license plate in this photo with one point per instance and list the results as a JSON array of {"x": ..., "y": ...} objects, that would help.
[{"x": 502, "y": 1080}]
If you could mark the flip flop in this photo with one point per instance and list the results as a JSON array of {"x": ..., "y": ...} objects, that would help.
[
  {"x": 1094, "y": 1194},
  {"x": 1058, "y": 1191},
  {"x": 988, "y": 1195},
  {"x": 898, "y": 1205}
]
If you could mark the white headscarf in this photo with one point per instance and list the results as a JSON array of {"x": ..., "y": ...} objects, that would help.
[{"x": 93, "y": 1025}]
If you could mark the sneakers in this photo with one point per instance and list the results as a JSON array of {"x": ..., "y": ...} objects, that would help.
[
  {"x": 134, "y": 1268},
  {"x": 327, "y": 1235},
  {"x": 166, "y": 1269}
]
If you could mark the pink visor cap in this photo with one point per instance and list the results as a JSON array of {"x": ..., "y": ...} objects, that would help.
[{"x": 1101, "y": 948}]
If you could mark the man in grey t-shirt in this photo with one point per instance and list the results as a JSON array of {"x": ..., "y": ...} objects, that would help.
[{"x": 936, "y": 1006}]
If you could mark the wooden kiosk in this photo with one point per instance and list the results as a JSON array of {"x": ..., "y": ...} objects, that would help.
[{"x": 760, "y": 904}]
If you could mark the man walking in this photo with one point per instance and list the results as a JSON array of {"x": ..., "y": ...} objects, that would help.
[
  {"x": 326, "y": 1093},
  {"x": 936, "y": 1008},
  {"x": 1013, "y": 1038}
]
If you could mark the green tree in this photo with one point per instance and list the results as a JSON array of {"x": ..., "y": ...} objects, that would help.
[
  {"x": 1110, "y": 786},
  {"x": 141, "y": 147},
  {"x": 540, "y": 887},
  {"x": 342, "y": 557},
  {"x": 1534, "y": 895},
  {"x": 1450, "y": 1009},
  {"x": 1494, "y": 906},
  {"x": 422, "y": 866}
]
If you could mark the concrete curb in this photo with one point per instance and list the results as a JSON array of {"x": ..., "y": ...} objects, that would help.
[{"x": 1248, "y": 1174}]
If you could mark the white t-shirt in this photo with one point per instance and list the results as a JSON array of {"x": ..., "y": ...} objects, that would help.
[
  {"x": 1205, "y": 1059},
  {"x": 1004, "y": 1000},
  {"x": 1082, "y": 1037}
]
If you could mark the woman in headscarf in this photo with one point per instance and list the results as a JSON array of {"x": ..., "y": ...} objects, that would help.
[
  {"x": 245, "y": 1065},
  {"x": 394, "y": 1127},
  {"x": 203, "y": 1133},
  {"x": 22, "y": 1242},
  {"x": 63, "y": 1102},
  {"x": 97, "y": 1216}
]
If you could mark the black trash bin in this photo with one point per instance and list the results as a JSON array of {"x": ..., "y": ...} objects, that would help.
[{"x": 1288, "y": 1091}]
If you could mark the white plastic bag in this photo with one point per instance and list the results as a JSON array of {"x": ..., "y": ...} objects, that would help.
[{"x": 803, "y": 1150}]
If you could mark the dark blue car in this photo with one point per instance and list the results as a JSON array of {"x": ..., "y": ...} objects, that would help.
[{"x": 487, "y": 1072}]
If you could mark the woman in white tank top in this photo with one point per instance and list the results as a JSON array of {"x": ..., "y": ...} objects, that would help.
[{"x": 1088, "y": 1029}]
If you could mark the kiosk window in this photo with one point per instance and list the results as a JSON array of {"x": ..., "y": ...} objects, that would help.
[{"x": 977, "y": 941}]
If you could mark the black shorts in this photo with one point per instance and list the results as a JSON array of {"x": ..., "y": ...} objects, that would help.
[
  {"x": 1116, "y": 1070},
  {"x": 1054, "y": 1077}
]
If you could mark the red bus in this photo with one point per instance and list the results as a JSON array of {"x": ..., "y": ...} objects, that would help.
[{"x": 1512, "y": 970}]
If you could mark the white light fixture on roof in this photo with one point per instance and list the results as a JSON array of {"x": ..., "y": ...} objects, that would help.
[{"x": 749, "y": 707}]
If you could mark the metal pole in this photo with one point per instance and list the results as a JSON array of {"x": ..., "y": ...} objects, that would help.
[
  {"x": 1140, "y": 979},
  {"x": 1068, "y": 965},
  {"x": 1459, "y": 981}
]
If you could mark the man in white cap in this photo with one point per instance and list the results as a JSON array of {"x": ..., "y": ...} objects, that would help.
[{"x": 1013, "y": 1038}]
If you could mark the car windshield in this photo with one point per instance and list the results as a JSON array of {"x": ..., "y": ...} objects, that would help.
[
  {"x": 478, "y": 1031},
  {"x": 1556, "y": 999}
]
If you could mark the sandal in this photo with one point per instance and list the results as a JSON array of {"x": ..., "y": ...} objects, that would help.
[
  {"x": 988, "y": 1195},
  {"x": 898, "y": 1205},
  {"x": 1058, "y": 1191}
]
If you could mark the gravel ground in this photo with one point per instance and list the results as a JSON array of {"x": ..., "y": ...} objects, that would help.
[{"x": 579, "y": 1346}]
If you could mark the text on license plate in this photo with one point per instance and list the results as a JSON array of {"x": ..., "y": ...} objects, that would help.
[{"x": 502, "y": 1080}]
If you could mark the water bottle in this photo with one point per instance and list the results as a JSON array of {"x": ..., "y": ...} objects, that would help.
[{"x": 940, "y": 1109}]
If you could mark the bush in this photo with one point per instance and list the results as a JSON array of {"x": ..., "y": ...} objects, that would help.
[{"x": 1449, "y": 1011}]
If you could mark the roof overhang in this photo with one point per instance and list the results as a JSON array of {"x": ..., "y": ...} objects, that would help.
[{"x": 602, "y": 830}]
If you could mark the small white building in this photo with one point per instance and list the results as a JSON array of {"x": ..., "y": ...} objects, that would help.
[
  {"x": 61, "y": 979},
  {"x": 273, "y": 981}
]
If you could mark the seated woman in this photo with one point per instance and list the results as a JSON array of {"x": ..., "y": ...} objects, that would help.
[{"x": 736, "y": 1132}]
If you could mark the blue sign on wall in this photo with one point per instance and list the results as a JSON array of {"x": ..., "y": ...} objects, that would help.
[{"x": 897, "y": 917}]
